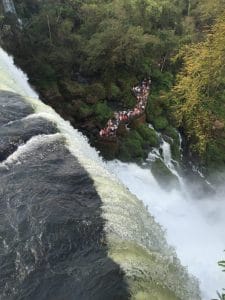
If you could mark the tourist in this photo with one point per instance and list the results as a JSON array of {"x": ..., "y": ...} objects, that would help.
[{"x": 141, "y": 92}]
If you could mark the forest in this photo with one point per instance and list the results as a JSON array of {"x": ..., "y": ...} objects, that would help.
[{"x": 84, "y": 57}]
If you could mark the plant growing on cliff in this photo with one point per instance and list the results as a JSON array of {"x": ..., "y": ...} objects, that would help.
[
  {"x": 198, "y": 94},
  {"x": 221, "y": 296}
]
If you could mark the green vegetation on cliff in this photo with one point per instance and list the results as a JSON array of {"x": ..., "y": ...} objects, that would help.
[
  {"x": 83, "y": 57},
  {"x": 137, "y": 143},
  {"x": 199, "y": 96}
]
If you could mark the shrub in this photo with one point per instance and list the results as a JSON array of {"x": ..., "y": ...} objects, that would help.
[
  {"x": 115, "y": 91},
  {"x": 131, "y": 147},
  {"x": 148, "y": 135},
  {"x": 96, "y": 90},
  {"x": 102, "y": 112},
  {"x": 160, "y": 123},
  {"x": 85, "y": 110}
]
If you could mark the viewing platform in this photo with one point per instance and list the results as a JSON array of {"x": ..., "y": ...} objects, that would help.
[{"x": 123, "y": 121}]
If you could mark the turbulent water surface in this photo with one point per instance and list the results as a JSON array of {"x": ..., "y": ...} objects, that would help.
[{"x": 68, "y": 228}]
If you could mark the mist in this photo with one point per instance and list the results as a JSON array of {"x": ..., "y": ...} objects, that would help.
[{"x": 194, "y": 227}]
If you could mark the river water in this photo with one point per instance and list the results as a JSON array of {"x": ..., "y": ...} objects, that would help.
[{"x": 70, "y": 230}]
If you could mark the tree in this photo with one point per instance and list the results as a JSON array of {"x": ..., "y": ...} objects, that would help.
[{"x": 199, "y": 95}]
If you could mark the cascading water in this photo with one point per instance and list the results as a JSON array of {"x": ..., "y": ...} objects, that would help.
[
  {"x": 9, "y": 6},
  {"x": 194, "y": 227},
  {"x": 167, "y": 158},
  {"x": 68, "y": 228},
  {"x": 166, "y": 155}
]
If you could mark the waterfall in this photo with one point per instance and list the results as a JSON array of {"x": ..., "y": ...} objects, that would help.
[
  {"x": 69, "y": 228},
  {"x": 194, "y": 227},
  {"x": 166, "y": 156},
  {"x": 9, "y": 6}
]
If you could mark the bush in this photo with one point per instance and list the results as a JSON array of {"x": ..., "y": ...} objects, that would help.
[
  {"x": 222, "y": 264},
  {"x": 171, "y": 132},
  {"x": 44, "y": 75},
  {"x": 85, "y": 111},
  {"x": 148, "y": 135},
  {"x": 160, "y": 123},
  {"x": 131, "y": 147},
  {"x": 102, "y": 112},
  {"x": 96, "y": 90},
  {"x": 215, "y": 155},
  {"x": 115, "y": 91},
  {"x": 72, "y": 89}
]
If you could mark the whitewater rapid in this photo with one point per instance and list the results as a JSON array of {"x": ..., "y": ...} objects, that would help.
[{"x": 195, "y": 227}]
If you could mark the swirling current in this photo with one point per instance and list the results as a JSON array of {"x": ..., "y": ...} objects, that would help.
[{"x": 69, "y": 229}]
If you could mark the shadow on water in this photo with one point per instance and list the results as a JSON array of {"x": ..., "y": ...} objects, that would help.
[{"x": 52, "y": 239}]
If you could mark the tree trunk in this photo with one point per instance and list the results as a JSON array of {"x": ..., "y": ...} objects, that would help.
[{"x": 49, "y": 29}]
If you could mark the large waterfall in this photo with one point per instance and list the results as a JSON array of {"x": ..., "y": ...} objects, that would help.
[{"x": 68, "y": 228}]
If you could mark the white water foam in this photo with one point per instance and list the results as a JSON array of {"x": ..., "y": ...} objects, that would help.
[
  {"x": 166, "y": 154},
  {"x": 167, "y": 158},
  {"x": 17, "y": 81},
  {"x": 194, "y": 227}
]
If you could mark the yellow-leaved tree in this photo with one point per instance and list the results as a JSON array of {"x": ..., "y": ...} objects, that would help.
[{"x": 199, "y": 95}]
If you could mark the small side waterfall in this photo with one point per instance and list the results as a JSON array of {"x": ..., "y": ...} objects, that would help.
[
  {"x": 9, "y": 6},
  {"x": 167, "y": 158},
  {"x": 163, "y": 152}
]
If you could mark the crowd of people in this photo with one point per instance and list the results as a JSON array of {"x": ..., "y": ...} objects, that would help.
[{"x": 141, "y": 93}]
